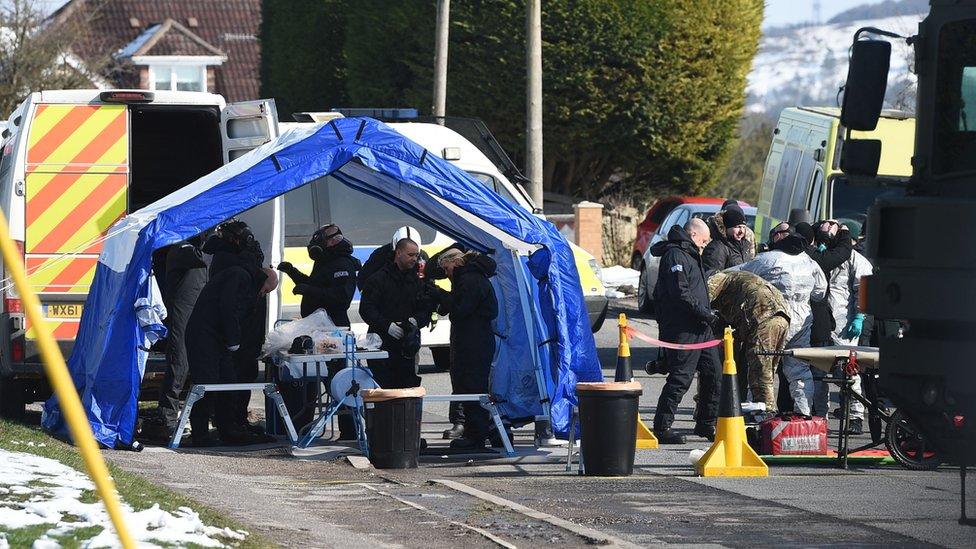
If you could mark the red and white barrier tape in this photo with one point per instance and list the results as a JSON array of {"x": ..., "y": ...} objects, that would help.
[{"x": 668, "y": 345}]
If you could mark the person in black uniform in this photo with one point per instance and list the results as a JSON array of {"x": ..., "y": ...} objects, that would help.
[
  {"x": 234, "y": 244},
  {"x": 186, "y": 275},
  {"x": 684, "y": 316},
  {"x": 396, "y": 305},
  {"x": 455, "y": 412},
  {"x": 331, "y": 287},
  {"x": 215, "y": 330},
  {"x": 472, "y": 306}
]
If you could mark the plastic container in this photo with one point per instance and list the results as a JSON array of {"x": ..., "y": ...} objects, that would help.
[
  {"x": 393, "y": 426},
  {"x": 608, "y": 427}
]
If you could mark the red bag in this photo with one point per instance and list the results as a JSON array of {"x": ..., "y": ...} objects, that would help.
[{"x": 793, "y": 435}]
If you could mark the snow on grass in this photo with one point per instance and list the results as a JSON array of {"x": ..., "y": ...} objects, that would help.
[
  {"x": 620, "y": 281},
  {"x": 38, "y": 491}
]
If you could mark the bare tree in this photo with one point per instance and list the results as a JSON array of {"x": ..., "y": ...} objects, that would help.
[{"x": 36, "y": 55}]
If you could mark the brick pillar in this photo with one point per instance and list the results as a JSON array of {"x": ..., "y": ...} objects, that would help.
[{"x": 589, "y": 228}]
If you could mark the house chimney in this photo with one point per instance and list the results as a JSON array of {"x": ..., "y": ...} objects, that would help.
[
  {"x": 134, "y": 22},
  {"x": 192, "y": 22}
]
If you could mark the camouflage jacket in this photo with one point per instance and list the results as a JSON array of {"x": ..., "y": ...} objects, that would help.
[{"x": 745, "y": 300}]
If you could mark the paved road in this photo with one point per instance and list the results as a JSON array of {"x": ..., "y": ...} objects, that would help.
[{"x": 323, "y": 504}]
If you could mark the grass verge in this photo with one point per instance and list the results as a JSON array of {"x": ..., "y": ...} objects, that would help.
[{"x": 138, "y": 492}]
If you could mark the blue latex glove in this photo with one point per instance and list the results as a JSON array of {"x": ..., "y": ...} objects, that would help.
[
  {"x": 855, "y": 327},
  {"x": 821, "y": 248}
]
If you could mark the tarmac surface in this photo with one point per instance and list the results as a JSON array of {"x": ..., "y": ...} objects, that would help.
[{"x": 490, "y": 500}]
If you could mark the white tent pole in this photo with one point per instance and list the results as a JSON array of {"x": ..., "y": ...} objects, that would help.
[{"x": 540, "y": 378}]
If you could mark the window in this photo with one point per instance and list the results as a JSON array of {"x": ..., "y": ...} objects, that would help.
[
  {"x": 813, "y": 205},
  {"x": 785, "y": 177},
  {"x": 804, "y": 177},
  {"x": 178, "y": 77},
  {"x": 853, "y": 201},
  {"x": 299, "y": 216},
  {"x": 496, "y": 186},
  {"x": 954, "y": 147},
  {"x": 364, "y": 220}
]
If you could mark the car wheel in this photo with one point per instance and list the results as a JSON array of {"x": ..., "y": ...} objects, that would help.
[
  {"x": 637, "y": 262},
  {"x": 442, "y": 358},
  {"x": 643, "y": 299}
]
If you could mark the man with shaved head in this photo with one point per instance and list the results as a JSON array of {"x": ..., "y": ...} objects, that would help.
[{"x": 685, "y": 316}]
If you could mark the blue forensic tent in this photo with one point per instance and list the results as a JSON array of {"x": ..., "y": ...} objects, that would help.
[{"x": 545, "y": 344}]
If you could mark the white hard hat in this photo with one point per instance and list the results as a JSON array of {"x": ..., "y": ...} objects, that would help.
[{"x": 406, "y": 232}]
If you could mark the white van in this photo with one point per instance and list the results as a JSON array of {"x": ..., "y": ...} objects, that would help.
[
  {"x": 373, "y": 222},
  {"x": 75, "y": 162}
]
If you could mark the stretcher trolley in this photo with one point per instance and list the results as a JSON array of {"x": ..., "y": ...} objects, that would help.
[{"x": 904, "y": 441}]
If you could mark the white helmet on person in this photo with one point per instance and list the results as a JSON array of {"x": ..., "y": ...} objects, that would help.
[{"x": 406, "y": 232}]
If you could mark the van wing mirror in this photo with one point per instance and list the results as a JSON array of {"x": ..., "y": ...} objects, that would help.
[
  {"x": 867, "y": 80},
  {"x": 861, "y": 157}
]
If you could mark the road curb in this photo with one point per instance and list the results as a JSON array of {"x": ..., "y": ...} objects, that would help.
[{"x": 591, "y": 535}]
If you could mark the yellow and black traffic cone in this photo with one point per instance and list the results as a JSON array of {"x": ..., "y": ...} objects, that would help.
[
  {"x": 730, "y": 454},
  {"x": 645, "y": 438}
]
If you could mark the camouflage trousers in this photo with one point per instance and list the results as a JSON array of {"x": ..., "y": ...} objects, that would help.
[{"x": 769, "y": 336}]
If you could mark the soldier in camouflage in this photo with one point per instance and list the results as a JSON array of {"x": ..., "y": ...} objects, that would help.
[{"x": 757, "y": 312}]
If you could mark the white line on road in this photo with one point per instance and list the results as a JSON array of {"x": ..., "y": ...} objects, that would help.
[
  {"x": 488, "y": 535},
  {"x": 594, "y": 536}
]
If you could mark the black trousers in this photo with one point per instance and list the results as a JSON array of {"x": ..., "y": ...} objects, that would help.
[
  {"x": 177, "y": 364},
  {"x": 246, "y": 359},
  {"x": 682, "y": 366},
  {"x": 395, "y": 372},
  {"x": 211, "y": 362},
  {"x": 455, "y": 412}
]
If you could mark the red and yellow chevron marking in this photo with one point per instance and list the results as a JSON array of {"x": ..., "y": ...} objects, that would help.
[
  {"x": 77, "y": 158},
  {"x": 61, "y": 274},
  {"x": 65, "y": 211},
  {"x": 62, "y": 329},
  {"x": 80, "y": 138}
]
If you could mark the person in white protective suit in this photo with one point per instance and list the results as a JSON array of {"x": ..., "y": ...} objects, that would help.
[
  {"x": 801, "y": 280},
  {"x": 845, "y": 282}
]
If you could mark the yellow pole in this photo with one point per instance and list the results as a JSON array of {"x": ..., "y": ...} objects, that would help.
[
  {"x": 57, "y": 374},
  {"x": 623, "y": 348},
  {"x": 728, "y": 365}
]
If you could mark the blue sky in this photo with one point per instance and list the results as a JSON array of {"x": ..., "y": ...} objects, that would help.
[{"x": 788, "y": 12}]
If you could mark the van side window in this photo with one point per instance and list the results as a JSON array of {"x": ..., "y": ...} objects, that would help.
[
  {"x": 813, "y": 205},
  {"x": 495, "y": 185},
  {"x": 804, "y": 178},
  {"x": 299, "y": 216},
  {"x": 783, "y": 189}
]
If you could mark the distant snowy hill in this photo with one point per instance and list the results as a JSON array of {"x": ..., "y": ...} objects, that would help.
[{"x": 806, "y": 65}]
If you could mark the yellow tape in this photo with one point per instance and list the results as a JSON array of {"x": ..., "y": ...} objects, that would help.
[{"x": 57, "y": 374}]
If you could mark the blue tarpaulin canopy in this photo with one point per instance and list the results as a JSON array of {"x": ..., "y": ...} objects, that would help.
[{"x": 545, "y": 344}]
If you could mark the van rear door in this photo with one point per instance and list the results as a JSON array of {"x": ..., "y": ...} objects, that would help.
[
  {"x": 75, "y": 189},
  {"x": 246, "y": 126}
]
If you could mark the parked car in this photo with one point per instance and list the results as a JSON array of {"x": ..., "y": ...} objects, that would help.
[
  {"x": 678, "y": 216},
  {"x": 655, "y": 215}
]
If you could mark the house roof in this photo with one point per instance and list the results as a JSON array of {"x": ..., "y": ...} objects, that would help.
[
  {"x": 229, "y": 27},
  {"x": 168, "y": 38}
]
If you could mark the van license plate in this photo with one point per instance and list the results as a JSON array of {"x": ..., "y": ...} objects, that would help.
[{"x": 63, "y": 310}]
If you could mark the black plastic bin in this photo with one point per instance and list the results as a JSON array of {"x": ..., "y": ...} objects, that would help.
[
  {"x": 393, "y": 426},
  {"x": 608, "y": 425}
]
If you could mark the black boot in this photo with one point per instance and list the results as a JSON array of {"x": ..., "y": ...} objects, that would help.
[
  {"x": 669, "y": 436},
  {"x": 855, "y": 427},
  {"x": 705, "y": 431},
  {"x": 467, "y": 443},
  {"x": 456, "y": 431}
]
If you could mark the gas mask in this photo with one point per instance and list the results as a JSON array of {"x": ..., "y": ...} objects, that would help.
[{"x": 326, "y": 237}]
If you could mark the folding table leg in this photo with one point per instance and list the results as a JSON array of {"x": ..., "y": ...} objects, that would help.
[
  {"x": 318, "y": 427},
  {"x": 572, "y": 440},
  {"x": 271, "y": 391},
  {"x": 493, "y": 410},
  {"x": 196, "y": 393}
]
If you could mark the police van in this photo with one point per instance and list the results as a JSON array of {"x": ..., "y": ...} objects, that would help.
[
  {"x": 803, "y": 167},
  {"x": 75, "y": 162},
  {"x": 373, "y": 222}
]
